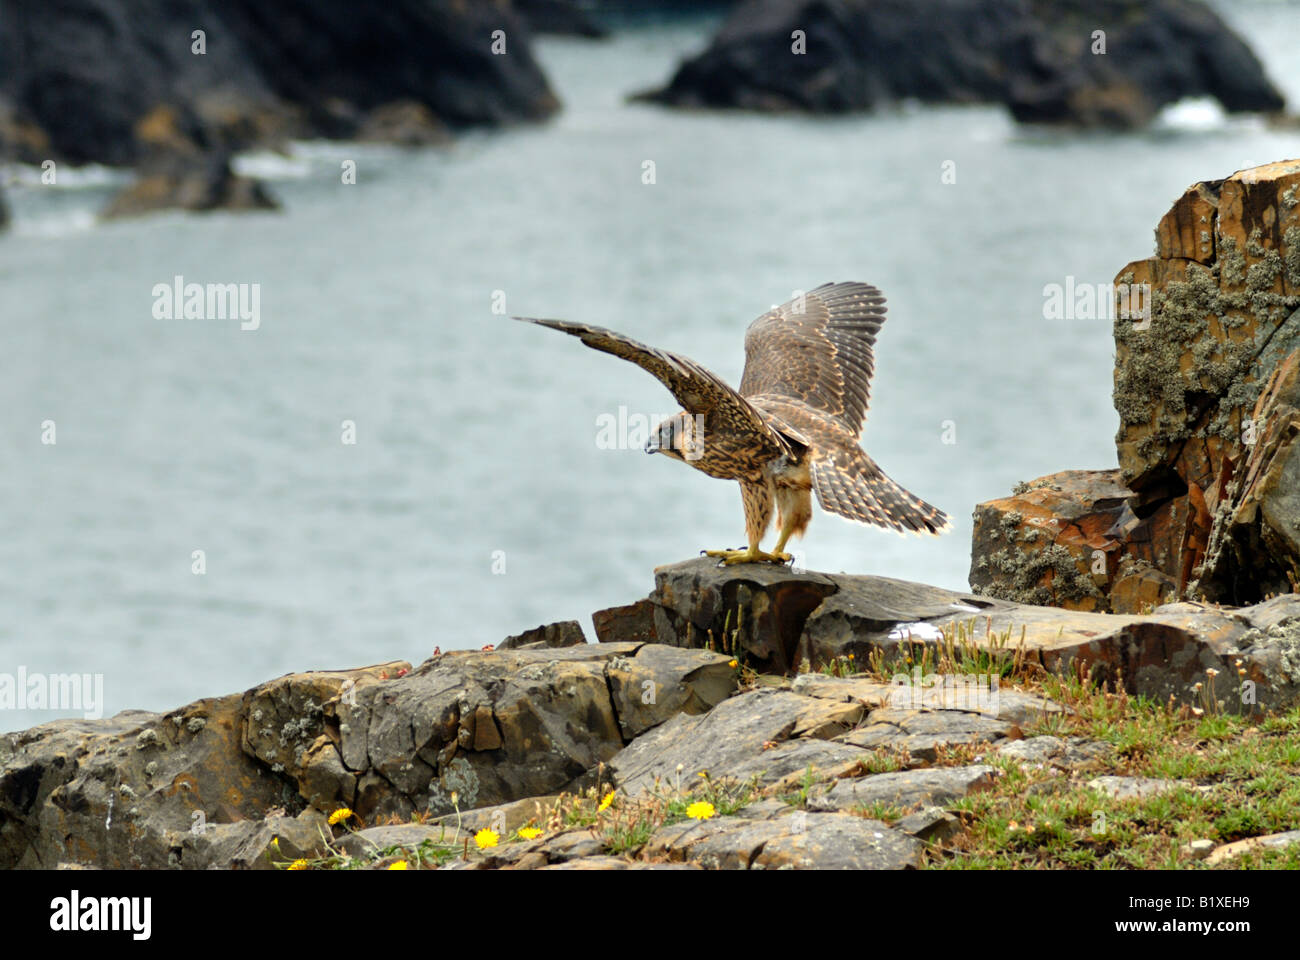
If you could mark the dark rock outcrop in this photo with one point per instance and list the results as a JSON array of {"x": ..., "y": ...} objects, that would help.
[
  {"x": 566, "y": 633},
  {"x": 559, "y": 16},
  {"x": 404, "y": 122},
  {"x": 486, "y": 739},
  {"x": 478, "y": 745},
  {"x": 1039, "y": 57},
  {"x": 1206, "y": 500},
  {"x": 197, "y": 184},
  {"x": 464, "y": 730},
  {"x": 80, "y": 74},
  {"x": 148, "y": 790},
  {"x": 771, "y": 618},
  {"x": 495, "y": 727}
]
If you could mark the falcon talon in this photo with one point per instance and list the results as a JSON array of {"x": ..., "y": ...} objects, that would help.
[{"x": 792, "y": 427}]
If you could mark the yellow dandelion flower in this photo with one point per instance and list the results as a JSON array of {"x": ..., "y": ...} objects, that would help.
[
  {"x": 734, "y": 664},
  {"x": 298, "y": 865},
  {"x": 529, "y": 833},
  {"x": 604, "y": 804},
  {"x": 399, "y": 865},
  {"x": 700, "y": 810},
  {"x": 339, "y": 815},
  {"x": 486, "y": 838}
]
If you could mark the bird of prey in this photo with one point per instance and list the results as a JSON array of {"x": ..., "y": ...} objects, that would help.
[{"x": 793, "y": 425}]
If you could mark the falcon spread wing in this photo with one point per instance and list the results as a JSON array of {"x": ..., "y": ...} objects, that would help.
[
  {"x": 804, "y": 394},
  {"x": 808, "y": 367},
  {"x": 817, "y": 349},
  {"x": 729, "y": 416}
]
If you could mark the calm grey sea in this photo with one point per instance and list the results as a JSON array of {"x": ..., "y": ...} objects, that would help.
[{"x": 476, "y": 501}]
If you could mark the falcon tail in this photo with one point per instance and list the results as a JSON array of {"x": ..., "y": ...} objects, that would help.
[{"x": 860, "y": 491}]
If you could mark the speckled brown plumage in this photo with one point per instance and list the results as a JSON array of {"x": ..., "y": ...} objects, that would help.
[{"x": 793, "y": 426}]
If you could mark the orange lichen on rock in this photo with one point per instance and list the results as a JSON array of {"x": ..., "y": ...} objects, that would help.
[{"x": 1207, "y": 463}]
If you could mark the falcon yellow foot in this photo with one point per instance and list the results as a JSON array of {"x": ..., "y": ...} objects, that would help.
[{"x": 751, "y": 555}]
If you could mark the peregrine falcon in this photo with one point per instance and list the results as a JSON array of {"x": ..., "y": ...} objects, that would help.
[{"x": 793, "y": 425}]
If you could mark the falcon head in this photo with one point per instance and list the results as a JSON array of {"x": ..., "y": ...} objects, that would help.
[{"x": 680, "y": 437}]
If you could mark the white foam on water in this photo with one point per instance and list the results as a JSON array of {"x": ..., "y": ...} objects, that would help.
[
  {"x": 66, "y": 177},
  {"x": 1195, "y": 114},
  {"x": 269, "y": 165},
  {"x": 65, "y": 223}
]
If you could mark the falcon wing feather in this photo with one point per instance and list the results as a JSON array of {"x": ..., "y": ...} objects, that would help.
[
  {"x": 697, "y": 389},
  {"x": 818, "y": 349}
]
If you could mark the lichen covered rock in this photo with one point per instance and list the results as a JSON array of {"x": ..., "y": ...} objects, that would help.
[
  {"x": 1044, "y": 544},
  {"x": 1204, "y": 503}
]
